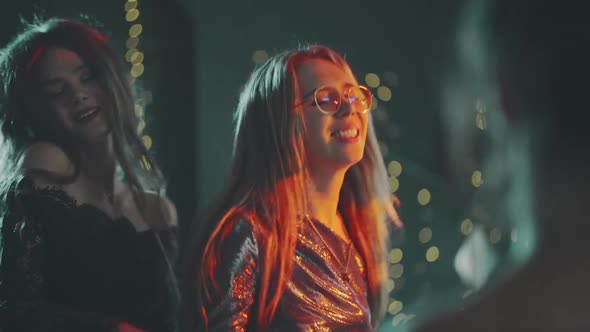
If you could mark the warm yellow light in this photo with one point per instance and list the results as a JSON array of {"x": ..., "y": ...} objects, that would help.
[
  {"x": 393, "y": 184},
  {"x": 394, "y": 168},
  {"x": 480, "y": 121},
  {"x": 395, "y": 307},
  {"x": 372, "y": 80},
  {"x": 390, "y": 285},
  {"x": 130, "y": 5},
  {"x": 466, "y": 226},
  {"x": 396, "y": 271},
  {"x": 138, "y": 110},
  {"x": 132, "y": 42},
  {"x": 132, "y": 15},
  {"x": 424, "y": 196},
  {"x": 432, "y": 254},
  {"x": 384, "y": 93},
  {"x": 374, "y": 104},
  {"x": 495, "y": 235},
  {"x": 259, "y": 56},
  {"x": 130, "y": 54},
  {"x": 145, "y": 164},
  {"x": 135, "y": 30},
  {"x": 140, "y": 126},
  {"x": 147, "y": 141},
  {"x": 137, "y": 57},
  {"x": 137, "y": 70},
  {"x": 480, "y": 107},
  {"x": 476, "y": 179},
  {"x": 395, "y": 255},
  {"x": 425, "y": 235}
]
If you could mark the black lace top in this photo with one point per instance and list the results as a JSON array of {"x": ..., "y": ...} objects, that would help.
[{"x": 70, "y": 267}]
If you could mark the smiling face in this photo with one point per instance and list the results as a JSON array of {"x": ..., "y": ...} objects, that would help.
[
  {"x": 71, "y": 98},
  {"x": 338, "y": 140}
]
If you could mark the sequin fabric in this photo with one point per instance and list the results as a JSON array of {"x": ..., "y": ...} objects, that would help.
[{"x": 324, "y": 293}]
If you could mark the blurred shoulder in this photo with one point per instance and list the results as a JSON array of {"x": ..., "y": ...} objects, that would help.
[
  {"x": 162, "y": 209},
  {"x": 47, "y": 163}
]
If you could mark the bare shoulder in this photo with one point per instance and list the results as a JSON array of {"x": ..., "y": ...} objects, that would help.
[
  {"x": 162, "y": 209},
  {"x": 45, "y": 162}
]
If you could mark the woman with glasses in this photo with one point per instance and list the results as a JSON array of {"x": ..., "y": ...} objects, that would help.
[
  {"x": 298, "y": 239},
  {"x": 87, "y": 238}
]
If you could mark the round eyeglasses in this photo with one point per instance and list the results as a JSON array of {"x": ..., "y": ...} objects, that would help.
[{"x": 328, "y": 99}]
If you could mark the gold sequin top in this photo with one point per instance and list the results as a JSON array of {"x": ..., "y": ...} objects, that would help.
[{"x": 327, "y": 290}]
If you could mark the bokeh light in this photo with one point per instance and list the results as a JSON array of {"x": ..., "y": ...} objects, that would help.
[
  {"x": 135, "y": 30},
  {"x": 395, "y": 255},
  {"x": 396, "y": 271},
  {"x": 390, "y": 285},
  {"x": 480, "y": 121},
  {"x": 384, "y": 93},
  {"x": 259, "y": 56},
  {"x": 424, "y": 196},
  {"x": 130, "y": 5},
  {"x": 372, "y": 80},
  {"x": 466, "y": 226},
  {"x": 147, "y": 141},
  {"x": 395, "y": 307},
  {"x": 132, "y": 42},
  {"x": 130, "y": 53},
  {"x": 138, "y": 111},
  {"x": 432, "y": 254},
  {"x": 495, "y": 235},
  {"x": 393, "y": 184},
  {"x": 476, "y": 179},
  {"x": 137, "y": 70},
  {"x": 137, "y": 57},
  {"x": 425, "y": 235},
  {"x": 132, "y": 15},
  {"x": 394, "y": 168}
]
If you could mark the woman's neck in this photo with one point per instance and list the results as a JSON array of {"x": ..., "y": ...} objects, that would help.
[
  {"x": 98, "y": 165},
  {"x": 323, "y": 192}
]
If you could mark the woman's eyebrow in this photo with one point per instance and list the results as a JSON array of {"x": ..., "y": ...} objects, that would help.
[{"x": 54, "y": 80}]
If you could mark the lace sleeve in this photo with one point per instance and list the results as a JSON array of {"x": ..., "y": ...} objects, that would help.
[
  {"x": 23, "y": 306},
  {"x": 230, "y": 308}
]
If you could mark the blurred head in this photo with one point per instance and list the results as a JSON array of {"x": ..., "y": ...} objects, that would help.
[
  {"x": 528, "y": 61},
  {"x": 539, "y": 57},
  {"x": 301, "y": 110},
  {"x": 62, "y": 82},
  {"x": 69, "y": 99},
  {"x": 54, "y": 75}
]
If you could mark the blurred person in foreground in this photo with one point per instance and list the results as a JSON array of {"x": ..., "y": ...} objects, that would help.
[{"x": 537, "y": 55}]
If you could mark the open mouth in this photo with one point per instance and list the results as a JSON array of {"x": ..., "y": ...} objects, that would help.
[
  {"x": 87, "y": 115},
  {"x": 346, "y": 134}
]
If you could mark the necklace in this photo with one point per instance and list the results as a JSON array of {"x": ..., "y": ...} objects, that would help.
[{"x": 344, "y": 273}]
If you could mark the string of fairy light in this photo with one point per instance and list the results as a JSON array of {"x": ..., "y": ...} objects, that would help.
[{"x": 135, "y": 57}]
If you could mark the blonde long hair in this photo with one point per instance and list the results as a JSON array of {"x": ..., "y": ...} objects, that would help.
[{"x": 267, "y": 182}]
